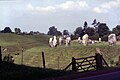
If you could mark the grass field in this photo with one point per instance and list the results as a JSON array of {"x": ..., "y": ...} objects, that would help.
[{"x": 56, "y": 58}]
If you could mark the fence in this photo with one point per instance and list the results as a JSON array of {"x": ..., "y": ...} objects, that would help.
[
  {"x": 0, "y": 54},
  {"x": 96, "y": 62}
]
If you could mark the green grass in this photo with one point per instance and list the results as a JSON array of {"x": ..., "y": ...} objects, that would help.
[
  {"x": 34, "y": 44},
  {"x": 32, "y": 56},
  {"x": 14, "y": 43}
]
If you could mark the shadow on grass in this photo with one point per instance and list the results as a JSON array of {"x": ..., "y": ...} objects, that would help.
[{"x": 9, "y": 71}]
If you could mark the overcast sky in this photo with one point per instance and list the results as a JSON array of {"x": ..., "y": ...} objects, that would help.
[{"x": 39, "y": 15}]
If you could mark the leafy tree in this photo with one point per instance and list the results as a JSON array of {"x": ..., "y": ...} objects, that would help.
[
  {"x": 17, "y": 31},
  {"x": 7, "y": 30},
  {"x": 78, "y": 32},
  {"x": 72, "y": 37},
  {"x": 103, "y": 29},
  {"x": 95, "y": 24},
  {"x": 116, "y": 30},
  {"x": 65, "y": 32},
  {"x": 31, "y": 33},
  {"x": 85, "y": 25},
  {"x": 59, "y": 33},
  {"x": 53, "y": 31},
  {"x": 90, "y": 31}
]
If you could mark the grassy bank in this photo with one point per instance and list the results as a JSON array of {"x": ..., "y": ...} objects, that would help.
[
  {"x": 60, "y": 57},
  {"x": 56, "y": 58}
]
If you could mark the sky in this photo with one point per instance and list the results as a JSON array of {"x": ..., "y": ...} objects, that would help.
[{"x": 39, "y": 15}]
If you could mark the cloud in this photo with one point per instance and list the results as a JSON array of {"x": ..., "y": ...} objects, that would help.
[
  {"x": 99, "y": 10},
  {"x": 40, "y": 9},
  {"x": 105, "y": 7},
  {"x": 68, "y": 5}
]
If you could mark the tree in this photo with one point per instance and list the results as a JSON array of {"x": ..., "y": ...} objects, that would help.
[
  {"x": 53, "y": 31},
  {"x": 103, "y": 29},
  {"x": 65, "y": 32},
  {"x": 95, "y": 24},
  {"x": 116, "y": 30},
  {"x": 85, "y": 25},
  {"x": 17, "y": 31},
  {"x": 90, "y": 31},
  {"x": 7, "y": 30},
  {"x": 78, "y": 32},
  {"x": 59, "y": 33},
  {"x": 31, "y": 32}
]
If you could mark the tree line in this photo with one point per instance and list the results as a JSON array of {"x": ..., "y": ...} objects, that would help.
[
  {"x": 19, "y": 32},
  {"x": 98, "y": 30}
]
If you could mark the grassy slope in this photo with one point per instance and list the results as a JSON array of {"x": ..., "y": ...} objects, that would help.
[
  {"x": 66, "y": 53},
  {"x": 14, "y": 43},
  {"x": 19, "y": 39},
  {"x": 34, "y": 45}
]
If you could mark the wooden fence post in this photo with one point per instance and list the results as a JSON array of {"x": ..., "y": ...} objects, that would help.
[
  {"x": 0, "y": 54},
  {"x": 22, "y": 56},
  {"x": 74, "y": 64},
  {"x": 43, "y": 58},
  {"x": 98, "y": 58},
  {"x": 58, "y": 62},
  {"x": 119, "y": 59}
]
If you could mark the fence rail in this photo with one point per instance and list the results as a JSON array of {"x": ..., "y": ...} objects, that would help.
[{"x": 96, "y": 62}]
